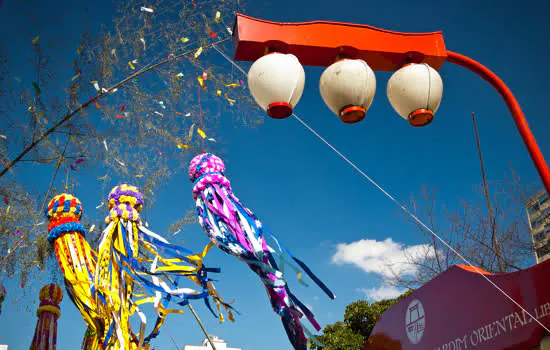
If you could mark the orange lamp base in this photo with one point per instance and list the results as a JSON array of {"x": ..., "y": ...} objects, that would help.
[
  {"x": 352, "y": 114},
  {"x": 421, "y": 117},
  {"x": 279, "y": 110}
]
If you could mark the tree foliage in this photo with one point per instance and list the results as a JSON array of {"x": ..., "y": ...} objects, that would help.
[
  {"x": 494, "y": 237},
  {"x": 133, "y": 100},
  {"x": 360, "y": 318}
]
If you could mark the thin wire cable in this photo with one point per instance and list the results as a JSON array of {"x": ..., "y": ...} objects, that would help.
[
  {"x": 405, "y": 209},
  {"x": 172, "y": 338}
]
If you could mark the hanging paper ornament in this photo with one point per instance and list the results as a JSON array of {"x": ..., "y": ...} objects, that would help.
[
  {"x": 237, "y": 231},
  {"x": 45, "y": 333},
  {"x": 125, "y": 247},
  {"x": 3, "y": 293},
  {"x": 77, "y": 262}
]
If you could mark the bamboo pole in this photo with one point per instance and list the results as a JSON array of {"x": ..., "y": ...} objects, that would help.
[{"x": 202, "y": 326}]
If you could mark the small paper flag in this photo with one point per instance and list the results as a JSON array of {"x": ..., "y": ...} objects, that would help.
[
  {"x": 230, "y": 99},
  {"x": 184, "y": 40},
  {"x": 198, "y": 53},
  {"x": 201, "y": 81},
  {"x": 77, "y": 75},
  {"x": 218, "y": 15},
  {"x": 200, "y": 132}
]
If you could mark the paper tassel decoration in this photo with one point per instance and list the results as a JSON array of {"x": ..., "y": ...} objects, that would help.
[
  {"x": 237, "y": 231},
  {"x": 130, "y": 255},
  {"x": 45, "y": 334},
  {"x": 77, "y": 262},
  {"x": 3, "y": 294}
]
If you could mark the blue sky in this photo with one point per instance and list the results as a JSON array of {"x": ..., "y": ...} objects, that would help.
[{"x": 303, "y": 191}]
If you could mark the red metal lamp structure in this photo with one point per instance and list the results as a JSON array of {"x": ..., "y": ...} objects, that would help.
[{"x": 323, "y": 43}]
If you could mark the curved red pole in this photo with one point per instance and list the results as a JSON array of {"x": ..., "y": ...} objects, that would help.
[{"x": 513, "y": 106}]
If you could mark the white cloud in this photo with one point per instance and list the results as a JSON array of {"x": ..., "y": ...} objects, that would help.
[
  {"x": 380, "y": 256},
  {"x": 381, "y": 293}
]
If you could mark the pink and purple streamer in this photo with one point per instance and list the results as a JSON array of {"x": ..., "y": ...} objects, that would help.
[{"x": 237, "y": 231}]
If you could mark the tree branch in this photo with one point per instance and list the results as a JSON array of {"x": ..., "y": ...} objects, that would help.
[{"x": 94, "y": 99}]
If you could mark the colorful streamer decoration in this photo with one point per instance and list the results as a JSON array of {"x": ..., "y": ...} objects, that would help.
[
  {"x": 3, "y": 295},
  {"x": 130, "y": 255},
  {"x": 45, "y": 333},
  {"x": 237, "y": 231},
  {"x": 77, "y": 262}
]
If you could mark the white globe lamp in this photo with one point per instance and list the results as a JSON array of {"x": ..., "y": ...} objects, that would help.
[
  {"x": 415, "y": 92},
  {"x": 348, "y": 87},
  {"x": 276, "y": 83}
]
